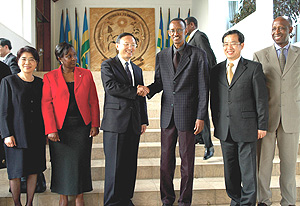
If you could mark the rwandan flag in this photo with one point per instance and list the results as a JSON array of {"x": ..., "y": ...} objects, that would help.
[
  {"x": 68, "y": 35},
  {"x": 188, "y": 36},
  {"x": 76, "y": 40},
  {"x": 85, "y": 48},
  {"x": 62, "y": 30},
  {"x": 160, "y": 39},
  {"x": 169, "y": 41},
  {"x": 178, "y": 13}
]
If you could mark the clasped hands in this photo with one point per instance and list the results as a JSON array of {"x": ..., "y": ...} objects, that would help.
[{"x": 142, "y": 90}]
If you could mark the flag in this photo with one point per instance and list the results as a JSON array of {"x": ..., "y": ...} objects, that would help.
[
  {"x": 160, "y": 39},
  {"x": 188, "y": 36},
  {"x": 169, "y": 41},
  {"x": 85, "y": 47},
  {"x": 76, "y": 40},
  {"x": 68, "y": 35},
  {"x": 178, "y": 13},
  {"x": 62, "y": 30}
]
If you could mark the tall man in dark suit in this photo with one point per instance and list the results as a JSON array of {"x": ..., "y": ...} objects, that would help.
[
  {"x": 200, "y": 40},
  {"x": 283, "y": 81},
  {"x": 239, "y": 105},
  {"x": 181, "y": 71},
  {"x": 8, "y": 57},
  {"x": 124, "y": 120}
]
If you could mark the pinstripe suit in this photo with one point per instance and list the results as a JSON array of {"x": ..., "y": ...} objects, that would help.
[{"x": 184, "y": 99}]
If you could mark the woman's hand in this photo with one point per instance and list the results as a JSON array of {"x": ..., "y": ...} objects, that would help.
[
  {"x": 10, "y": 141},
  {"x": 94, "y": 131},
  {"x": 54, "y": 137}
]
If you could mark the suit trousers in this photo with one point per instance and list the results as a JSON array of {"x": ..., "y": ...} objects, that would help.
[
  {"x": 121, "y": 151},
  {"x": 287, "y": 144},
  {"x": 168, "y": 164},
  {"x": 206, "y": 134},
  {"x": 240, "y": 171}
]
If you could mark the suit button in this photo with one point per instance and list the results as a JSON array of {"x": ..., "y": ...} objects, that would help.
[
  {"x": 229, "y": 102},
  {"x": 173, "y": 92},
  {"x": 172, "y": 105},
  {"x": 174, "y": 82},
  {"x": 31, "y": 101},
  {"x": 229, "y": 90}
]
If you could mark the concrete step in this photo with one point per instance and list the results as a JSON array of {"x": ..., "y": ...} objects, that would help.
[
  {"x": 149, "y": 168},
  {"x": 206, "y": 191}
]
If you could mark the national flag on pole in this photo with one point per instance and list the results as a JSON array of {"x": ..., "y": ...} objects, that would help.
[
  {"x": 77, "y": 40},
  {"x": 169, "y": 41},
  {"x": 85, "y": 48},
  {"x": 178, "y": 13},
  {"x": 188, "y": 36},
  {"x": 68, "y": 35},
  {"x": 160, "y": 39},
  {"x": 62, "y": 29}
]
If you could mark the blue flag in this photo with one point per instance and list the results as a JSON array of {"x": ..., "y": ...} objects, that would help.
[
  {"x": 76, "y": 40},
  {"x": 68, "y": 35},
  {"x": 62, "y": 29},
  {"x": 160, "y": 39}
]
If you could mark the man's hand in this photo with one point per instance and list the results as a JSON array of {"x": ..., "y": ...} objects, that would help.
[
  {"x": 10, "y": 141},
  {"x": 261, "y": 134},
  {"x": 142, "y": 90},
  {"x": 199, "y": 125},
  {"x": 143, "y": 129}
]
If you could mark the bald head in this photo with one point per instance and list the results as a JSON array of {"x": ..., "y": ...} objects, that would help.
[{"x": 281, "y": 29}]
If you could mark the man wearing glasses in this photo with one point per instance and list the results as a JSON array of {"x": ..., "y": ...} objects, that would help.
[
  {"x": 181, "y": 72},
  {"x": 124, "y": 120},
  {"x": 239, "y": 106}
]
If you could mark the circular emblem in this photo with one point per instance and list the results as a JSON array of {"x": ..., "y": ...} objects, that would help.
[{"x": 116, "y": 22}]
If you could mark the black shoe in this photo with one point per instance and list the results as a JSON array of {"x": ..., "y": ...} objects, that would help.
[
  {"x": 261, "y": 204},
  {"x": 199, "y": 139},
  {"x": 209, "y": 152}
]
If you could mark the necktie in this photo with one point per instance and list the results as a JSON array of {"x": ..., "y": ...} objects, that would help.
[
  {"x": 282, "y": 59},
  {"x": 230, "y": 73},
  {"x": 176, "y": 60},
  {"x": 128, "y": 72}
]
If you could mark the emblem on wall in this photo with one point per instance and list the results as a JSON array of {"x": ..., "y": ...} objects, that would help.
[{"x": 106, "y": 26}]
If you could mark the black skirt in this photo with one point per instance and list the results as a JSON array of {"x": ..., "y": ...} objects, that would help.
[{"x": 71, "y": 158}]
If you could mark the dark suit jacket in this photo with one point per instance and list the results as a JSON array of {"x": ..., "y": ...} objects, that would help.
[
  {"x": 4, "y": 70},
  {"x": 122, "y": 104},
  {"x": 55, "y": 100},
  {"x": 200, "y": 40},
  {"x": 185, "y": 93},
  {"x": 11, "y": 61},
  {"x": 241, "y": 107}
]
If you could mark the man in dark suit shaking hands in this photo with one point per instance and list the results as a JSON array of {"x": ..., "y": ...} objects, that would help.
[
  {"x": 239, "y": 105},
  {"x": 181, "y": 71},
  {"x": 124, "y": 120}
]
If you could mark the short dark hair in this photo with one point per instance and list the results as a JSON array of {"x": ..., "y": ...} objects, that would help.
[
  {"x": 4, "y": 42},
  {"x": 179, "y": 19},
  {"x": 30, "y": 50},
  {"x": 240, "y": 35},
  {"x": 192, "y": 19},
  {"x": 122, "y": 35},
  {"x": 62, "y": 49}
]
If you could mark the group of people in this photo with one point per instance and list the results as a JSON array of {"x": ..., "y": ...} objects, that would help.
[
  {"x": 64, "y": 108},
  {"x": 254, "y": 104}
]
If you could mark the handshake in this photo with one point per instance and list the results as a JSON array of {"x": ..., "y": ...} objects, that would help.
[{"x": 142, "y": 90}]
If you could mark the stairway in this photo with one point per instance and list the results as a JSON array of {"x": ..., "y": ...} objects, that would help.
[{"x": 209, "y": 187}]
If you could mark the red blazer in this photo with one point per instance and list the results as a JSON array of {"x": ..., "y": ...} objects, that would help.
[{"x": 55, "y": 99}]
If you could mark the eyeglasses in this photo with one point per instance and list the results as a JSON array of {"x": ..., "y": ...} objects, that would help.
[
  {"x": 129, "y": 45},
  {"x": 30, "y": 60},
  {"x": 233, "y": 44},
  {"x": 172, "y": 31}
]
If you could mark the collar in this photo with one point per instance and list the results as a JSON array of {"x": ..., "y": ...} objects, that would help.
[
  {"x": 277, "y": 47},
  {"x": 123, "y": 61},
  {"x": 6, "y": 55},
  {"x": 180, "y": 49},
  {"x": 192, "y": 34}
]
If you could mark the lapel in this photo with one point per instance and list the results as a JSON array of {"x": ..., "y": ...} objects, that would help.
[
  {"x": 120, "y": 68},
  {"x": 223, "y": 73},
  {"x": 169, "y": 61},
  {"x": 271, "y": 57},
  {"x": 184, "y": 60},
  {"x": 291, "y": 58},
  {"x": 61, "y": 80},
  {"x": 135, "y": 74},
  {"x": 242, "y": 66},
  {"x": 78, "y": 75}
]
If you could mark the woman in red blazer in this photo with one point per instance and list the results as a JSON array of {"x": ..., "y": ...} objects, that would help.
[{"x": 71, "y": 115}]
